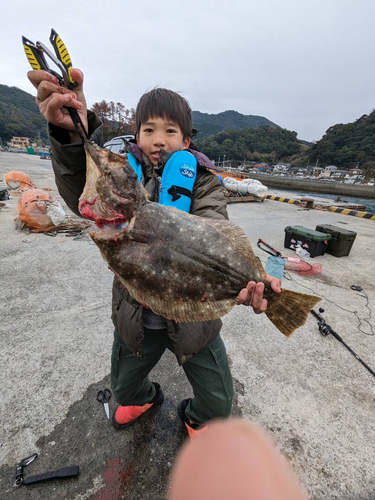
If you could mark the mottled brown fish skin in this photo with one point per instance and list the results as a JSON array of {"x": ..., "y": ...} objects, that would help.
[
  {"x": 178, "y": 256},
  {"x": 183, "y": 267}
]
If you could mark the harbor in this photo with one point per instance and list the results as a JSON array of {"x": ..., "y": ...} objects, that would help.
[
  {"x": 311, "y": 201},
  {"x": 359, "y": 207},
  {"x": 327, "y": 199},
  {"x": 308, "y": 392},
  {"x": 318, "y": 186}
]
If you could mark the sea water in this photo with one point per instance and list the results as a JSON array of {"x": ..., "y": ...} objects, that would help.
[{"x": 367, "y": 202}]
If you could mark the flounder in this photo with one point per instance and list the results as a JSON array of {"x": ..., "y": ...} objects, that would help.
[{"x": 182, "y": 267}]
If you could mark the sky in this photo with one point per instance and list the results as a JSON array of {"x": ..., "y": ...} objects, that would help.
[{"x": 303, "y": 64}]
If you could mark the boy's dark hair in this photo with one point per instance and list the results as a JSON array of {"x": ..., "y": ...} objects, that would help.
[{"x": 166, "y": 104}]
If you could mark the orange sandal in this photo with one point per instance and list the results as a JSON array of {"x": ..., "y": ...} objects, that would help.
[
  {"x": 125, "y": 416},
  {"x": 193, "y": 429}
]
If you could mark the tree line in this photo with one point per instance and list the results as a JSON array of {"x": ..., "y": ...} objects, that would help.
[
  {"x": 265, "y": 144},
  {"x": 343, "y": 145},
  {"x": 348, "y": 145},
  {"x": 210, "y": 124},
  {"x": 117, "y": 119},
  {"x": 20, "y": 116}
]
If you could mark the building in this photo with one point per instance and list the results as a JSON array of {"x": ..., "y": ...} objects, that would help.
[
  {"x": 354, "y": 175},
  {"x": 339, "y": 174},
  {"x": 356, "y": 171},
  {"x": 330, "y": 169},
  {"x": 281, "y": 167},
  {"x": 260, "y": 167},
  {"x": 314, "y": 172},
  {"x": 19, "y": 142}
]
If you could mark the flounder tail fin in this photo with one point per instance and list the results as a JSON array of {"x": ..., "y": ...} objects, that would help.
[{"x": 289, "y": 310}]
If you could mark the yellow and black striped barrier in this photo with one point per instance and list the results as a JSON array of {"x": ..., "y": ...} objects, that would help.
[
  {"x": 280, "y": 198},
  {"x": 347, "y": 211},
  {"x": 344, "y": 211}
]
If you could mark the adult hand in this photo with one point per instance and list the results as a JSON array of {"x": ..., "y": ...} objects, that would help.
[
  {"x": 252, "y": 295},
  {"x": 51, "y": 99}
]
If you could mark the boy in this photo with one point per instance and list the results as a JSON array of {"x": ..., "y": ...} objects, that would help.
[{"x": 163, "y": 121}]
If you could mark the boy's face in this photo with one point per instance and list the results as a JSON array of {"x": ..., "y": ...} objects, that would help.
[{"x": 157, "y": 134}]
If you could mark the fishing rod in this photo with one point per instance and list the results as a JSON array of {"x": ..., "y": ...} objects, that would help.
[
  {"x": 274, "y": 253},
  {"x": 325, "y": 330}
]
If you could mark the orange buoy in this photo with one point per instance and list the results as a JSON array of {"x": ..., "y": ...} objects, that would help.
[
  {"x": 19, "y": 180},
  {"x": 32, "y": 208}
]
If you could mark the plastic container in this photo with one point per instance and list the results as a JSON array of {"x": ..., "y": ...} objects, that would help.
[
  {"x": 314, "y": 242},
  {"x": 302, "y": 253},
  {"x": 341, "y": 241}
]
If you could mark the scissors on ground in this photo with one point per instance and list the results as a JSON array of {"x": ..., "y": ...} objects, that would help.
[{"x": 104, "y": 397}]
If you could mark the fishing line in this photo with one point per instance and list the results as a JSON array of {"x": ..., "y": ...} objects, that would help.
[{"x": 353, "y": 287}]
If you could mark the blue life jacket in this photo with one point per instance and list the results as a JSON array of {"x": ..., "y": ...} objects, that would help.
[{"x": 177, "y": 180}]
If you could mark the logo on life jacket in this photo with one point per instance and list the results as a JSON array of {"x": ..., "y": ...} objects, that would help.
[{"x": 187, "y": 171}]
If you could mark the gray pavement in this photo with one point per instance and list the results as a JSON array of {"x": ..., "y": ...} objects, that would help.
[{"x": 308, "y": 392}]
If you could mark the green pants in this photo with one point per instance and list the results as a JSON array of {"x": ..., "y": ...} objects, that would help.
[{"x": 207, "y": 371}]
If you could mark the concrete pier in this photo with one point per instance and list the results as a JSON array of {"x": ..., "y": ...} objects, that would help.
[{"x": 308, "y": 392}]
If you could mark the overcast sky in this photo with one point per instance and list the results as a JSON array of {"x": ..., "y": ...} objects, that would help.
[{"x": 303, "y": 64}]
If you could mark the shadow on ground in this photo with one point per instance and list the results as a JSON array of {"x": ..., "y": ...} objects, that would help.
[{"x": 130, "y": 464}]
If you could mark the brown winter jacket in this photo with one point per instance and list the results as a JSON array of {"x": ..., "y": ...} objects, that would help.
[{"x": 208, "y": 200}]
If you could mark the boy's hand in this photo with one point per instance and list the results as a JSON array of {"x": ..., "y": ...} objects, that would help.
[
  {"x": 51, "y": 99},
  {"x": 252, "y": 295}
]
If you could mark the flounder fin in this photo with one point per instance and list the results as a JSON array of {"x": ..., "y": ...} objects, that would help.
[
  {"x": 182, "y": 312},
  {"x": 144, "y": 191},
  {"x": 289, "y": 310},
  {"x": 239, "y": 241}
]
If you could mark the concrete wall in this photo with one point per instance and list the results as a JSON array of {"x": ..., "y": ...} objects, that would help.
[{"x": 317, "y": 186}]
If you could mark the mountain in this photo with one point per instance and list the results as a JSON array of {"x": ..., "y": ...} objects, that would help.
[
  {"x": 208, "y": 124},
  {"x": 348, "y": 145},
  {"x": 229, "y": 133},
  {"x": 262, "y": 144},
  {"x": 19, "y": 115}
]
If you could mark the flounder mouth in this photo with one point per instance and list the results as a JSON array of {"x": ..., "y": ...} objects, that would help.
[
  {"x": 112, "y": 224},
  {"x": 105, "y": 217}
]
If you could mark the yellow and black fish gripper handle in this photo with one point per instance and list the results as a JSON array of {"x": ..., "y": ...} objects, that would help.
[
  {"x": 63, "y": 55},
  {"x": 33, "y": 54},
  {"x": 36, "y": 58}
]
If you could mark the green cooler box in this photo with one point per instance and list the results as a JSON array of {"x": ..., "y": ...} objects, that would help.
[
  {"x": 314, "y": 242},
  {"x": 341, "y": 241}
]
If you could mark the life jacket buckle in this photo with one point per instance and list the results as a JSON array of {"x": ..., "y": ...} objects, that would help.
[{"x": 173, "y": 192}]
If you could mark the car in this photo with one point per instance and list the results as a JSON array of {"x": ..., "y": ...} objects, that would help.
[{"x": 117, "y": 144}]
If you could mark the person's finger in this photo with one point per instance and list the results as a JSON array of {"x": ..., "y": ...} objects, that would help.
[
  {"x": 262, "y": 308},
  {"x": 36, "y": 76},
  {"x": 276, "y": 285},
  {"x": 258, "y": 295},
  {"x": 242, "y": 296},
  {"x": 251, "y": 286},
  {"x": 233, "y": 459},
  {"x": 274, "y": 282},
  {"x": 77, "y": 76},
  {"x": 52, "y": 109},
  {"x": 45, "y": 89},
  {"x": 245, "y": 295}
]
